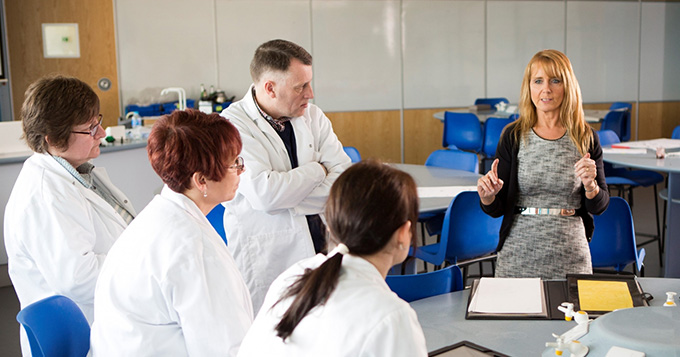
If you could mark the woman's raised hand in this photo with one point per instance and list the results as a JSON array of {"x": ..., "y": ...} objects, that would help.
[
  {"x": 586, "y": 170},
  {"x": 489, "y": 185}
]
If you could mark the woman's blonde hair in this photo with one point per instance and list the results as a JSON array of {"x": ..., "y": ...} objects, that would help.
[{"x": 556, "y": 65}]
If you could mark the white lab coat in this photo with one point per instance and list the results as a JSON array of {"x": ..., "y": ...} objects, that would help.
[
  {"x": 169, "y": 287},
  {"x": 265, "y": 223},
  {"x": 362, "y": 317},
  {"x": 57, "y": 234}
]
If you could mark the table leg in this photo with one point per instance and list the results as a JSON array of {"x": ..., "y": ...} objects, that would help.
[{"x": 672, "y": 245}]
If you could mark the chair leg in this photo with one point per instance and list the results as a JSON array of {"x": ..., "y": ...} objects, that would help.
[{"x": 422, "y": 232}]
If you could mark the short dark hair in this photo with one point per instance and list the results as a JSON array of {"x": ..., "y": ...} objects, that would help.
[
  {"x": 54, "y": 105},
  {"x": 275, "y": 55},
  {"x": 189, "y": 141}
]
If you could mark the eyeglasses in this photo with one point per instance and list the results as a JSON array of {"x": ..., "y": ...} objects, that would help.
[
  {"x": 93, "y": 129},
  {"x": 239, "y": 165}
]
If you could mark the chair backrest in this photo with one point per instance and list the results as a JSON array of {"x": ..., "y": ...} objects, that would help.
[
  {"x": 621, "y": 105},
  {"x": 491, "y": 101},
  {"x": 353, "y": 153},
  {"x": 493, "y": 127},
  {"x": 419, "y": 286},
  {"x": 463, "y": 131},
  {"x": 609, "y": 137},
  {"x": 514, "y": 116},
  {"x": 454, "y": 159},
  {"x": 55, "y": 326},
  {"x": 467, "y": 231},
  {"x": 676, "y": 133},
  {"x": 613, "y": 243},
  {"x": 615, "y": 120},
  {"x": 216, "y": 218}
]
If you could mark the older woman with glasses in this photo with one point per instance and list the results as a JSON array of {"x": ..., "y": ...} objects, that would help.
[
  {"x": 169, "y": 286},
  {"x": 63, "y": 214}
]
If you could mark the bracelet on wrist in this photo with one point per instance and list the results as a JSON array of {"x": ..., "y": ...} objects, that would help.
[{"x": 593, "y": 190}]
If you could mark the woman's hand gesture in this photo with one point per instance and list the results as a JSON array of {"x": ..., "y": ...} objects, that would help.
[{"x": 489, "y": 185}]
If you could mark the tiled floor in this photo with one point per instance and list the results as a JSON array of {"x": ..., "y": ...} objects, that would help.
[{"x": 643, "y": 216}]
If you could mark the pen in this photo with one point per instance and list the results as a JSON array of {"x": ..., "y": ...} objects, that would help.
[{"x": 616, "y": 146}]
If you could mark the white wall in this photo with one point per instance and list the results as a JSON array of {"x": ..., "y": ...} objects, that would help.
[{"x": 390, "y": 54}]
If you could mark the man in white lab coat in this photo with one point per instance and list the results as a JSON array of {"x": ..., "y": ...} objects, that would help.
[{"x": 292, "y": 158}]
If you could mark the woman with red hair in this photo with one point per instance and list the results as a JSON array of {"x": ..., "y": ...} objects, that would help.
[{"x": 169, "y": 285}]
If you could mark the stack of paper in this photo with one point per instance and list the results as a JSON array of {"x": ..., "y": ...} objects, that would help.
[{"x": 508, "y": 296}]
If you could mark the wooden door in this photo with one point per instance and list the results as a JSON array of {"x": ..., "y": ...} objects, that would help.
[{"x": 97, "y": 47}]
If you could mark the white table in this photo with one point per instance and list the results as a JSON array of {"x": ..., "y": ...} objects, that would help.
[
  {"x": 443, "y": 320},
  {"x": 592, "y": 116},
  {"x": 438, "y": 186},
  {"x": 670, "y": 165}
]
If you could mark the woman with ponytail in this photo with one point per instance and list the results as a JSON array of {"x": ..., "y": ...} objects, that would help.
[{"x": 339, "y": 304}]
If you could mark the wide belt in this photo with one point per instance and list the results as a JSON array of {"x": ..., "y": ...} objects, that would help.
[{"x": 545, "y": 211}]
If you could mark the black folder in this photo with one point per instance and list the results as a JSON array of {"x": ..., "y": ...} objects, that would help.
[{"x": 555, "y": 292}]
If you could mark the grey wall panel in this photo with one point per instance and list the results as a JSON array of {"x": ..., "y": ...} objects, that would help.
[
  {"x": 516, "y": 31},
  {"x": 175, "y": 47},
  {"x": 357, "y": 55},
  {"x": 443, "y": 53},
  {"x": 653, "y": 38},
  {"x": 671, "y": 68},
  {"x": 390, "y": 54},
  {"x": 245, "y": 24},
  {"x": 602, "y": 44}
]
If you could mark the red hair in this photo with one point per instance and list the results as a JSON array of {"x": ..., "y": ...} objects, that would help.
[{"x": 190, "y": 141}]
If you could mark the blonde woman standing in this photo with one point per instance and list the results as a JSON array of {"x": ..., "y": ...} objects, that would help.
[{"x": 547, "y": 179}]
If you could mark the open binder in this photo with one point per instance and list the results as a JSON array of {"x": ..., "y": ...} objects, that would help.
[{"x": 596, "y": 294}]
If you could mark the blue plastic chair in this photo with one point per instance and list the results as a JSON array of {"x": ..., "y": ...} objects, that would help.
[
  {"x": 468, "y": 234},
  {"x": 614, "y": 176},
  {"x": 216, "y": 218},
  {"x": 493, "y": 127},
  {"x": 353, "y": 153},
  {"x": 454, "y": 159},
  {"x": 613, "y": 243},
  {"x": 628, "y": 109},
  {"x": 462, "y": 131},
  {"x": 615, "y": 121},
  {"x": 419, "y": 286},
  {"x": 55, "y": 326},
  {"x": 451, "y": 159},
  {"x": 626, "y": 180},
  {"x": 491, "y": 101},
  {"x": 514, "y": 116},
  {"x": 676, "y": 133}
]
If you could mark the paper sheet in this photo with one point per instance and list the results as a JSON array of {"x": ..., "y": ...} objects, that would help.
[
  {"x": 596, "y": 295},
  {"x": 509, "y": 296},
  {"x": 623, "y": 151},
  {"x": 653, "y": 144},
  {"x": 443, "y": 191}
]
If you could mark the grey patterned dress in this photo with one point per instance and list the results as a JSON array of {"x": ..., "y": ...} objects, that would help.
[{"x": 546, "y": 246}]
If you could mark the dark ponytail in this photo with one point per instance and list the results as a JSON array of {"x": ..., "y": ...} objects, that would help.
[
  {"x": 366, "y": 205},
  {"x": 313, "y": 288}
]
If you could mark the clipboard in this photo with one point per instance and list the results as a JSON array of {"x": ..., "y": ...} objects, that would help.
[
  {"x": 465, "y": 349},
  {"x": 631, "y": 287},
  {"x": 555, "y": 292}
]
